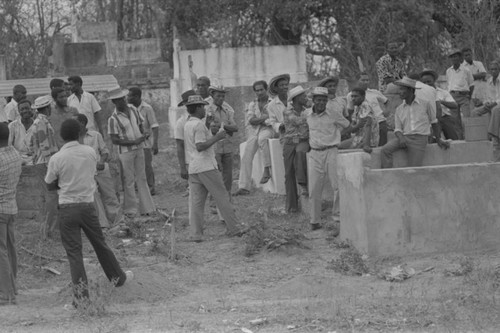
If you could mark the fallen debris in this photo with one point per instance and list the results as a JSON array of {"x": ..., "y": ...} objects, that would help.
[
  {"x": 350, "y": 263},
  {"x": 41, "y": 255},
  {"x": 246, "y": 330},
  {"x": 258, "y": 321},
  {"x": 51, "y": 270},
  {"x": 398, "y": 273},
  {"x": 464, "y": 267}
]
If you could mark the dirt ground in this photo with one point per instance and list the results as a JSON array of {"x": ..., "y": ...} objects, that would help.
[{"x": 281, "y": 277}]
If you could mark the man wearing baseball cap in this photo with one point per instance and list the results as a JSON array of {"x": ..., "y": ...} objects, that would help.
[
  {"x": 413, "y": 120},
  {"x": 204, "y": 177},
  {"x": 126, "y": 132},
  {"x": 325, "y": 126},
  {"x": 43, "y": 144}
]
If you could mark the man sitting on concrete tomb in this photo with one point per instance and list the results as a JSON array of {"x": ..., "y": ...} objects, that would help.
[
  {"x": 258, "y": 135},
  {"x": 460, "y": 84},
  {"x": 71, "y": 171},
  {"x": 182, "y": 154},
  {"x": 19, "y": 129},
  {"x": 220, "y": 114},
  {"x": 126, "y": 132},
  {"x": 10, "y": 170},
  {"x": 364, "y": 129},
  {"x": 60, "y": 111},
  {"x": 108, "y": 206},
  {"x": 85, "y": 103},
  {"x": 151, "y": 126},
  {"x": 295, "y": 140},
  {"x": 11, "y": 109},
  {"x": 390, "y": 67},
  {"x": 413, "y": 120},
  {"x": 278, "y": 87},
  {"x": 204, "y": 177},
  {"x": 325, "y": 126},
  {"x": 377, "y": 101},
  {"x": 43, "y": 144},
  {"x": 449, "y": 125}
]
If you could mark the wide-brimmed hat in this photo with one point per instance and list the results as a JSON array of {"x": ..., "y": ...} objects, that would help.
[
  {"x": 195, "y": 100},
  {"x": 453, "y": 52},
  {"x": 42, "y": 102},
  {"x": 428, "y": 71},
  {"x": 323, "y": 82},
  {"x": 116, "y": 93},
  {"x": 407, "y": 82},
  {"x": 185, "y": 95},
  {"x": 296, "y": 91},
  {"x": 219, "y": 88},
  {"x": 276, "y": 79},
  {"x": 319, "y": 91}
]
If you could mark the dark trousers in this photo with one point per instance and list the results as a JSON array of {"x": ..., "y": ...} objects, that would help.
[
  {"x": 450, "y": 127},
  {"x": 225, "y": 164},
  {"x": 73, "y": 219},
  {"x": 148, "y": 161},
  {"x": 48, "y": 212},
  {"x": 383, "y": 128},
  {"x": 295, "y": 160}
]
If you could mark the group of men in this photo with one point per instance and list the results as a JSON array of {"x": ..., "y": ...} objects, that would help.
[{"x": 61, "y": 136}]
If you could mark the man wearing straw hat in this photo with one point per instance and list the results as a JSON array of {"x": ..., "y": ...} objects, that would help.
[
  {"x": 126, "y": 132},
  {"x": 278, "y": 87},
  {"x": 413, "y": 120},
  {"x": 295, "y": 141},
  {"x": 204, "y": 177},
  {"x": 325, "y": 126},
  {"x": 43, "y": 144},
  {"x": 219, "y": 113}
]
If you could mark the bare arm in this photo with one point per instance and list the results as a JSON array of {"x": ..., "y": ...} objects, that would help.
[
  {"x": 201, "y": 146},
  {"x": 122, "y": 142}
]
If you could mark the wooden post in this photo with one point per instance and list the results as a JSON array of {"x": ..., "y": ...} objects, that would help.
[
  {"x": 3, "y": 68},
  {"x": 172, "y": 236}
]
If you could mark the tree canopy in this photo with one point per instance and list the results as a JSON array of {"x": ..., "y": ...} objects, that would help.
[{"x": 336, "y": 33}]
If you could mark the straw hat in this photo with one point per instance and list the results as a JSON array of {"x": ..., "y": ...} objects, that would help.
[
  {"x": 453, "y": 52},
  {"x": 185, "y": 95},
  {"x": 319, "y": 91},
  {"x": 323, "y": 82},
  {"x": 116, "y": 93},
  {"x": 219, "y": 88},
  {"x": 276, "y": 79},
  {"x": 407, "y": 82},
  {"x": 296, "y": 91},
  {"x": 195, "y": 100},
  {"x": 42, "y": 102}
]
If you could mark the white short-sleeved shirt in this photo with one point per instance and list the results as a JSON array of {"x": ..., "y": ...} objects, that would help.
[
  {"x": 11, "y": 110},
  {"x": 179, "y": 127},
  {"x": 445, "y": 96},
  {"x": 195, "y": 131},
  {"x": 475, "y": 68},
  {"x": 427, "y": 93},
  {"x": 460, "y": 79},
  {"x": 150, "y": 122},
  {"x": 74, "y": 166},
  {"x": 88, "y": 105}
]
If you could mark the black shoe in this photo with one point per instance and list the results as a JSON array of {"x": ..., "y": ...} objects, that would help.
[{"x": 315, "y": 226}]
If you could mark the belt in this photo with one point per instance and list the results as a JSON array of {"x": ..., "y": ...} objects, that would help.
[
  {"x": 289, "y": 141},
  {"x": 462, "y": 92},
  {"x": 76, "y": 204},
  {"x": 324, "y": 148}
]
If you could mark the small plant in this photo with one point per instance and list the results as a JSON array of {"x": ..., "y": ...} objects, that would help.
[
  {"x": 349, "y": 263},
  {"x": 99, "y": 296}
]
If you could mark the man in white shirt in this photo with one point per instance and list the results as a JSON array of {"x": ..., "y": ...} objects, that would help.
[
  {"x": 278, "y": 86},
  {"x": 449, "y": 125},
  {"x": 182, "y": 154},
  {"x": 475, "y": 67},
  {"x": 460, "y": 84},
  {"x": 85, "y": 103},
  {"x": 71, "y": 171},
  {"x": 18, "y": 94},
  {"x": 204, "y": 177}
]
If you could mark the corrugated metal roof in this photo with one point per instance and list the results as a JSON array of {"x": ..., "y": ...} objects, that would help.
[{"x": 38, "y": 86}]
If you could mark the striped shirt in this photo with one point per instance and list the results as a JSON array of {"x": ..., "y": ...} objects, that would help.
[
  {"x": 126, "y": 128},
  {"x": 10, "y": 171},
  {"x": 42, "y": 141}
]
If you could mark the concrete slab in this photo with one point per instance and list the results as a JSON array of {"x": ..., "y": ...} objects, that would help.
[{"x": 419, "y": 210}]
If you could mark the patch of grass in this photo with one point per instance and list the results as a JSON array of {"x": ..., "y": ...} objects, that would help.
[
  {"x": 96, "y": 304},
  {"x": 350, "y": 262}
]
